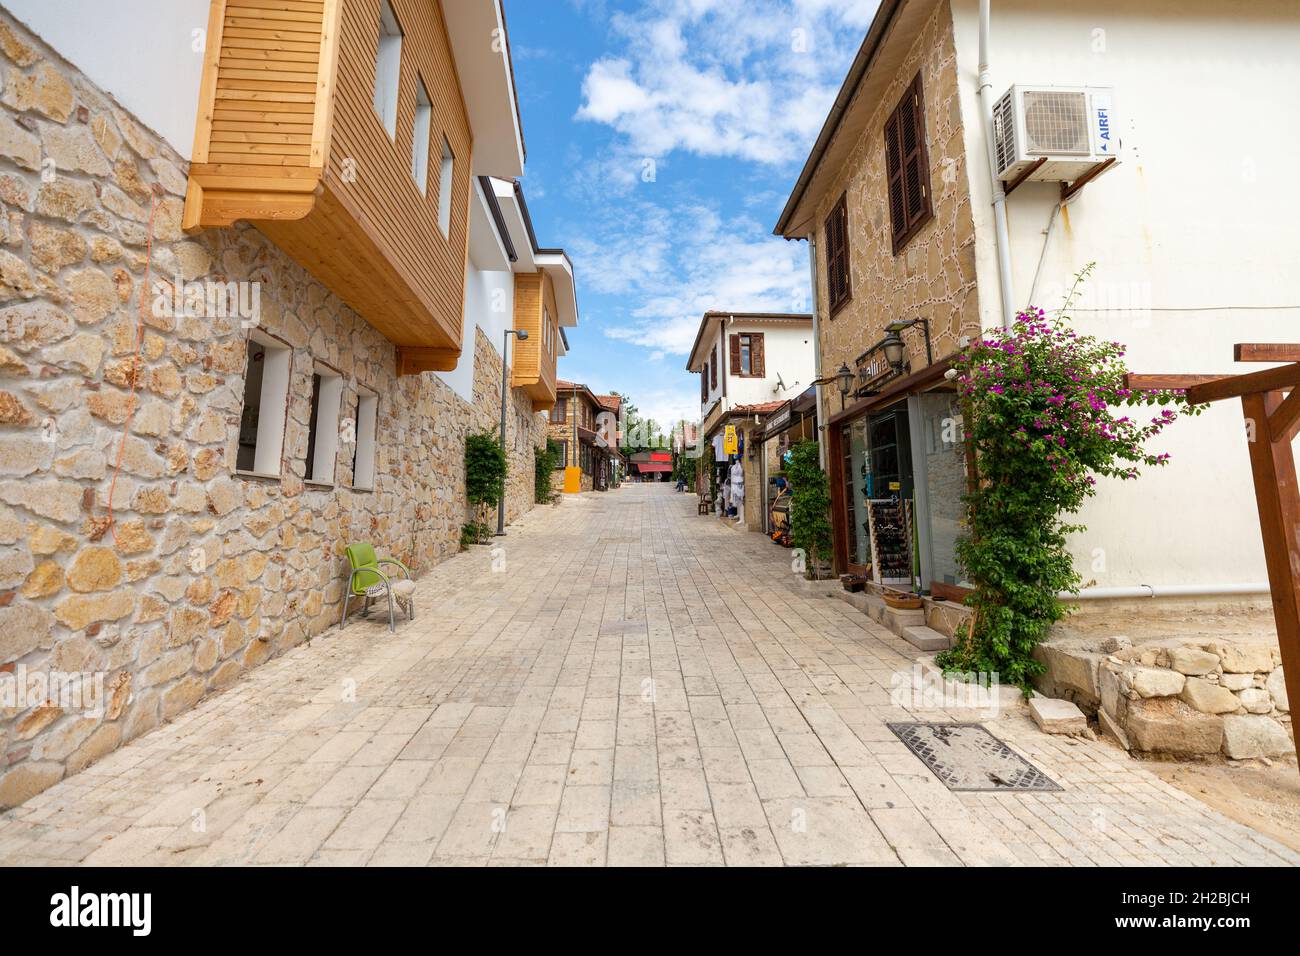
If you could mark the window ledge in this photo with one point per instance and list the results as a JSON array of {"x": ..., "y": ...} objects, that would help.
[
  {"x": 260, "y": 475},
  {"x": 325, "y": 485},
  {"x": 359, "y": 488}
]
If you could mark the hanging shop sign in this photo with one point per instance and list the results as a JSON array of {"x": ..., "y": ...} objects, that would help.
[{"x": 730, "y": 441}]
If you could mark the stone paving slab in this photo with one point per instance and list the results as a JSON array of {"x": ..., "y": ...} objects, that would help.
[{"x": 634, "y": 685}]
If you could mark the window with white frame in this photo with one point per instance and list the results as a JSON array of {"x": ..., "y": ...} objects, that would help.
[
  {"x": 323, "y": 428},
  {"x": 363, "y": 461},
  {"x": 388, "y": 67},
  {"x": 420, "y": 142},
  {"x": 266, "y": 398},
  {"x": 444, "y": 188}
]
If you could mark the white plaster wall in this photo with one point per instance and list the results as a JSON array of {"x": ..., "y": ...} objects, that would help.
[
  {"x": 142, "y": 52},
  {"x": 787, "y": 351},
  {"x": 489, "y": 305},
  {"x": 1202, "y": 214}
]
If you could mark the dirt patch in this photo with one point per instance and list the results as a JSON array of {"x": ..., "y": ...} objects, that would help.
[
  {"x": 1161, "y": 621},
  {"x": 1265, "y": 798}
]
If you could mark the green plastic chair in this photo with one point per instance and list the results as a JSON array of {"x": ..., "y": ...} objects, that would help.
[{"x": 369, "y": 581}]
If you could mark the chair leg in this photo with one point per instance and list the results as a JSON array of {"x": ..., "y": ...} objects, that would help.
[
  {"x": 344, "y": 619},
  {"x": 392, "y": 623}
]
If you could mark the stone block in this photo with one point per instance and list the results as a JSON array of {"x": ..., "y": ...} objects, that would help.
[
  {"x": 1169, "y": 725},
  {"x": 1057, "y": 716},
  {"x": 926, "y": 638},
  {"x": 1152, "y": 681},
  {"x": 1253, "y": 735},
  {"x": 1209, "y": 698},
  {"x": 1276, "y": 686},
  {"x": 1192, "y": 661}
]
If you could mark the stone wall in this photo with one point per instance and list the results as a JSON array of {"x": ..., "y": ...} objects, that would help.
[
  {"x": 1175, "y": 696},
  {"x": 933, "y": 276},
  {"x": 197, "y": 574}
]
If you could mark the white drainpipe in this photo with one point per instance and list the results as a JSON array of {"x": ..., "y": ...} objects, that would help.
[
  {"x": 1002, "y": 235},
  {"x": 817, "y": 350},
  {"x": 1165, "y": 590}
]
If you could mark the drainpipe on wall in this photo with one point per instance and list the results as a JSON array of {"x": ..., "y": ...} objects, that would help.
[
  {"x": 1002, "y": 239},
  {"x": 817, "y": 351}
]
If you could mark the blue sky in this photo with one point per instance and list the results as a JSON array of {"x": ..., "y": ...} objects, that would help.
[{"x": 663, "y": 140}]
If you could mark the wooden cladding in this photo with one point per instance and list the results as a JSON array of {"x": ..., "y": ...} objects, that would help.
[
  {"x": 747, "y": 359},
  {"x": 838, "y": 287},
  {"x": 534, "y": 357},
  {"x": 907, "y": 166},
  {"x": 288, "y": 139}
]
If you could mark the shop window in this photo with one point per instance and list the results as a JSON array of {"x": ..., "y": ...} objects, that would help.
[
  {"x": 323, "y": 426},
  {"x": 420, "y": 138},
  {"x": 266, "y": 397},
  {"x": 747, "y": 355},
  {"x": 837, "y": 256},
  {"x": 363, "y": 458},
  {"x": 388, "y": 68},
  {"x": 907, "y": 167}
]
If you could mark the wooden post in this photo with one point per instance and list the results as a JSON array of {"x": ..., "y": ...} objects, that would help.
[{"x": 1278, "y": 497}]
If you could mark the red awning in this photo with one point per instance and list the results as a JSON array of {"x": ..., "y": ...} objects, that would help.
[{"x": 646, "y": 467}]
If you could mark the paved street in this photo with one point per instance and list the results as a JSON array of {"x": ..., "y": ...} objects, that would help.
[{"x": 637, "y": 685}]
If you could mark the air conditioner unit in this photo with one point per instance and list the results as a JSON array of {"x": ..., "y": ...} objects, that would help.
[{"x": 1070, "y": 129}]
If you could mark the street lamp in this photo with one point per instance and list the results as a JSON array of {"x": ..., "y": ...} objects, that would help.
[
  {"x": 505, "y": 391},
  {"x": 844, "y": 378},
  {"x": 902, "y": 324},
  {"x": 892, "y": 345}
]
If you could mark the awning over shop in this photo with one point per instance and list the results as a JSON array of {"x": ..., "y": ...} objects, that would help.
[{"x": 647, "y": 467}]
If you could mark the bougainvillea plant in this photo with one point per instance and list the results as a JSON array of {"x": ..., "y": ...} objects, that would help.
[{"x": 1046, "y": 413}]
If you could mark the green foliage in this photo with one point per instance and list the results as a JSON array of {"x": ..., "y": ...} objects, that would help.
[
  {"x": 545, "y": 463},
  {"x": 810, "y": 503},
  {"x": 1042, "y": 413},
  {"x": 485, "y": 469},
  {"x": 475, "y": 532},
  {"x": 684, "y": 467}
]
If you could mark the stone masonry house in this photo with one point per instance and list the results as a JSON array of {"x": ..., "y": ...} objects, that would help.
[
  {"x": 1086, "y": 134},
  {"x": 218, "y": 341}
]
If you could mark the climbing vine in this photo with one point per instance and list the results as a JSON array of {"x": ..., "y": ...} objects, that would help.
[{"x": 1044, "y": 416}]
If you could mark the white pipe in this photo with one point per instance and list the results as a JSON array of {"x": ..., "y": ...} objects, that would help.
[
  {"x": 1164, "y": 590},
  {"x": 1002, "y": 240},
  {"x": 817, "y": 351}
]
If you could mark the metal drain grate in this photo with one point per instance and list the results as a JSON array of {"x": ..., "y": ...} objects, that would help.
[{"x": 968, "y": 757}]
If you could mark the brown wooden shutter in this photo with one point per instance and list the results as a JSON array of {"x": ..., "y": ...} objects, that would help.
[
  {"x": 704, "y": 386},
  {"x": 756, "y": 355},
  {"x": 713, "y": 368},
  {"x": 559, "y": 411},
  {"x": 907, "y": 167},
  {"x": 734, "y": 343},
  {"x": 837, "y": 254}
]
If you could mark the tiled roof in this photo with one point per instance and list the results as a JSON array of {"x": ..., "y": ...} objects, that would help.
[
  {"x": 612, "y": 402},
  {"x": 762, "y": 408}
]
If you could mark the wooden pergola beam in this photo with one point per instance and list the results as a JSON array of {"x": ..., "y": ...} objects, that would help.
[
  {"x": 1265, "y": 352},
  {"x": 1166, "y": 383},
  {"x": 1266, "y": 380},
  {"x": 1284, "y": 421},
  {"x": 1278, "y": 496}
]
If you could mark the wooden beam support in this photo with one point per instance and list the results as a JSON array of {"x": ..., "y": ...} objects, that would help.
[
  {"x": 414, "y": 360},
  {"x": 1267, "y": 380},
  {"x": 1278, "y": 497},
  {"x": 1265, "y": 352},
  {"x": 1166, "y": 383},
  {"x": 1284, "y": 422}
]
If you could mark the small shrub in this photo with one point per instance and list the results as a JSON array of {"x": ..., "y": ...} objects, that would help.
[{"x": 810, "y": 505}]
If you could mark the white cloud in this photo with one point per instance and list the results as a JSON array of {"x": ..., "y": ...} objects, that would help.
[
  {"x": 675, "y": 264},
  {"x": 722, "y": 79}
]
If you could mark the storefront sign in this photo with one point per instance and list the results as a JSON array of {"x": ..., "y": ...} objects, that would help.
[
  {"x": 730, "y": 441},
  {"x": 779, "y": 420}
]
